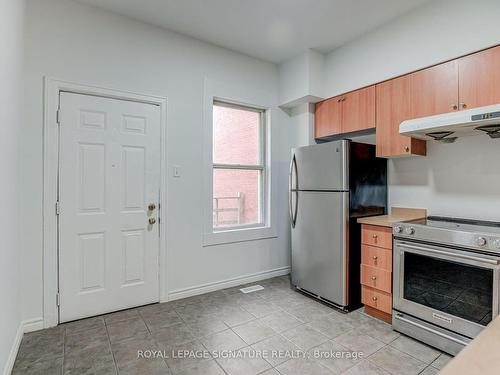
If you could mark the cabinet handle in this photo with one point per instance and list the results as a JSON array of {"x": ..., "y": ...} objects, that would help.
[
  {"x": 463, "y": 105},
  {"x": 406, "y": 148},
  {"x": 374, "y": 298},
  {"x": 374, "y": 278},
  {"x": 375, "y": 258},
  {"x": 343, "y": 99},
  {"x": 375, "y": 236},
  {"x": 454, "y": 107}
]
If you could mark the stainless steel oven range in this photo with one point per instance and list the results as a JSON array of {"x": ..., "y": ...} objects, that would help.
[{"x": 446, "y": 279}]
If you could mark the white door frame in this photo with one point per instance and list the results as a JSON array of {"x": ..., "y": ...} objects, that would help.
[{"x": 52, "y": 88}]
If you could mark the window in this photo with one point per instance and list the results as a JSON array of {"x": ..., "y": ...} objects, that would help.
[{"x": 239, "y": 167}]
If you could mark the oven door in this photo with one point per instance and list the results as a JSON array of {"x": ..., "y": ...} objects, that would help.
[{"x": 451, "y": 288}]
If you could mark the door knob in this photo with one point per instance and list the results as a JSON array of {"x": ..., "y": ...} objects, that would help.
[
  {"x": 152, "y": 207},
  {"x": 152, "y": 220}
]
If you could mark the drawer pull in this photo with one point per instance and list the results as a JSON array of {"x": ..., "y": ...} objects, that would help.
[
  {"x": 374, "y": 278},
  {"x": 375, "y": 258},
  {"x": 374, "y": 298},
  {"x": 375, "y": 236}
]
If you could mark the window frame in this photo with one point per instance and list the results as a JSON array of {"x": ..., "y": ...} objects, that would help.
[
  {"x": 241, "y": 96},
  {"x": 262, "y": 166}
]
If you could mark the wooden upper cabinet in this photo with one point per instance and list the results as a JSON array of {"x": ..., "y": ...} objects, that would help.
[
  {"x": 347, "y": 113},
  {"x": 468, "y": 82},
  {"x": 328, "y": 117},
  {"x": 393, "y": 107},
  {"x": 479, "y": 79},
  {"x": 434, "y": 90},
  {"x": 358, "y": 111}
]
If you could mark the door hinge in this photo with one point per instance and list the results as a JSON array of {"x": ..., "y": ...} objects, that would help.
[
  {"x": 58, "y": 116},
  {"x": 58, "y": 208},
  {"x": 58, "y": 299}
]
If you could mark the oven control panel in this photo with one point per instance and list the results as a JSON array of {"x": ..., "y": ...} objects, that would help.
[
  {"x": 448, "y": 235},
  {"x": 496, "y": 243}
]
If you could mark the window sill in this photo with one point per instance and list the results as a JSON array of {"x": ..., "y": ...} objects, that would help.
[{"x": 238, "y": 235}]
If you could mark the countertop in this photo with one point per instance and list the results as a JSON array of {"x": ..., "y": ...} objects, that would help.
[
  {"x": 481, "y": 356},
  {"x": 397, "y": 214}
]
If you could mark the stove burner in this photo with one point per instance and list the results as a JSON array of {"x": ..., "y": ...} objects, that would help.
[
  {"x": 460, "y": 220},
  {"x": 492, "y": 130},
  {"x": 442, "y": 137}
]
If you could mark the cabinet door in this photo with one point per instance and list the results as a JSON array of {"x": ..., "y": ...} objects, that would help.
[
  {"x": 434, "y": 90},
  {"x": 328, "y": 117},
  {"x": 358, "y": 112},
  {"x": 479, "y": 79},
  {"x": 393, "y": 107}
]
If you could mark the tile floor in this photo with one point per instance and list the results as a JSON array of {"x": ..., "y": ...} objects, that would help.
[{"x": 273, "y": 331}]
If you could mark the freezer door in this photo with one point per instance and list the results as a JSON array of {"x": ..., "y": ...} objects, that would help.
[
  {"x": 319, "y": 244},
  {"x": 321, "y": 167}
]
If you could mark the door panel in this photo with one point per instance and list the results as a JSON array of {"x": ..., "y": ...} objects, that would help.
[
  {"x": 328, "y": 117},
  {"x": 434, "y": 90},
  {"x": 393, "y": 107},
  {"x": 358, "y": 111},
  {"x": 319, "y": 244},
  {"x": 479, "y": 78},
  {"x": 321, "y": 167},
  {"x": 109, "y": 173}
]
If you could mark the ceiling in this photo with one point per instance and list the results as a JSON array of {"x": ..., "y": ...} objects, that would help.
[{"x": 272, "y": 30}]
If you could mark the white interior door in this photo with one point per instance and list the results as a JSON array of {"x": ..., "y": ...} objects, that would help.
[{"x": 109, "y": 173}]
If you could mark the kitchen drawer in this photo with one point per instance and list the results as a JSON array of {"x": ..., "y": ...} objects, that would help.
[
  {"x": 376, "y": 299},
  {"x": 376, "y": 257},
  {"x": 375, "y": 235},
  {"x": 376, "y": 278}
]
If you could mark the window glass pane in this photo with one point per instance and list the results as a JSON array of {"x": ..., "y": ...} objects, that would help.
[
  {"x": 236, "y": 136},
  {"x": 236, "y": 197}
]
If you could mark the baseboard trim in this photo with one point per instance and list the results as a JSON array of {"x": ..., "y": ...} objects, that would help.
[
  {"x": 9, "y": 365},
  {"x": 31, "y": 325},
  {"x": 25, "y": 326},
  {"x": 228, "y": 283}
]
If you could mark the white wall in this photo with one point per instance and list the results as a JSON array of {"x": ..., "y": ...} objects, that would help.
[
  {"x": 301, "y": 79},
  {"x": 461, "y": 179},
  {"x": 11, "y": 27},
  {"x": 74, "y": 42},
  {"x": 436, "y": 32}
]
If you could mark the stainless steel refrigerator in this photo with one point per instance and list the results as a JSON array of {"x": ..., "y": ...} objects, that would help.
[{"x": 331, "y": 185}]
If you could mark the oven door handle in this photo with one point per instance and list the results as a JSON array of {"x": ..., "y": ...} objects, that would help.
[
  {"x": 436, "y": 332},
  {"x": 491, "y": 260}
]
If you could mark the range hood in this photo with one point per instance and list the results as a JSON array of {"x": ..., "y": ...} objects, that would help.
[{"x": 448, "y": 127}]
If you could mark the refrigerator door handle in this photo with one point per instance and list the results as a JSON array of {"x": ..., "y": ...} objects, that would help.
[
  {"x": 293, "y": 210},
  {"x": 296, "y": 208}
]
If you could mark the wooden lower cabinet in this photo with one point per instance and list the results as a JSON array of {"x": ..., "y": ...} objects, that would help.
[
  {"x": 377, "y": 299},
  {"x": 376, "y": 278},
  {"x": 376, "y": 257},
  {"x": 375, "y": 235},
  {"x": 376, "y": 271}
]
